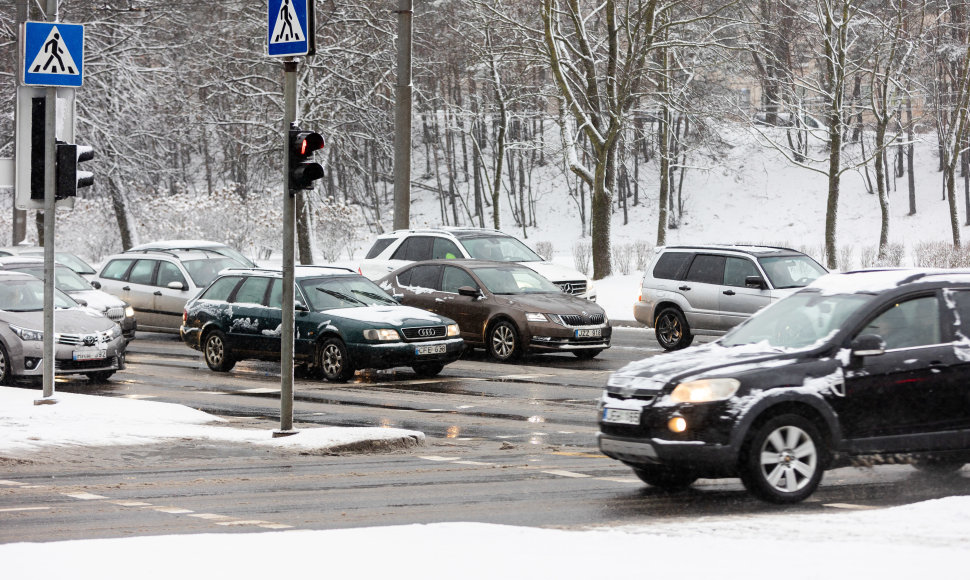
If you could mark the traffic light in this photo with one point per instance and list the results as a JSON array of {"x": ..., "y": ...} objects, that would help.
[
  {"x": 69, "y": 178},
  {"x": 302, "y": 171},
  {"x": 37, "y": 136}
]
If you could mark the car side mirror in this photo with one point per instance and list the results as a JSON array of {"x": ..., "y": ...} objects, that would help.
[
  {"x": 397, "y": 297},
  {"x": 96, "y": 285},
  {"x": 868, "y": 345},
  {"x": 81, "y": 301},
  {"x": 469, "y": 291},
  {"x": 176, "y": 285},
  {"x": 300, "y": 307},
  {"x": 755, "y": 282}
]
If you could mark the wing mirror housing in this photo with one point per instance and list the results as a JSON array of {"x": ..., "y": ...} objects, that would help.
[
  {"x": 868, "y": 345},
  {"x": 755, "y": 282},
  {"x": 176, "y": 285},
  {"x": 96, "y": 285},
  {"x": 470, "y": 292}
]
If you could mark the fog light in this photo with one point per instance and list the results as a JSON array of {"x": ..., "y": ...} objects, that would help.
[
  {"x": 677, "y": 424},
  {"x": 31, "y": 363}
]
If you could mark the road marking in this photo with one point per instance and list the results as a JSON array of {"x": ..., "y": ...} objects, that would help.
[
  {"x": 128, "y": 503},
  {"x": 469, "y": 462},
  {"x": 258, "y": 391},
  {"x": 438, "y": 458},
  {"x": 563, "y": 473},
  {"x": 8, "y": 482},
  {"x": 25, "y": 509},
  {"x": 579, "y": 454},
  {"x": 620, "y": 479},
  {"x": 84, "y": 496},
  {"x": 210, "y": 516},
  {"x": 849, "y": 506},
  {"x": 170, "y": 510}
]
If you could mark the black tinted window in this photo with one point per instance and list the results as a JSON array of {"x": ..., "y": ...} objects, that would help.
[
  {"x": 419, "y": 249},
  {"x": 404, "y": 278},
  {"x": 706, "y": 269},
  {"x": 960, "y": 299},
  {"x": 425, "y": 276},
  {"x": 378, "y": 247},
  {"x": 671, "y": 265},
  {"x": 455, "y": 278}
]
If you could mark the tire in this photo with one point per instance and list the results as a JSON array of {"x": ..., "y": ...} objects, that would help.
[
  {"x": 100, "y": 376},
  {"x": 672, "y": 330},
  {"x": 503, "y": 341},
  {"x": 938, "y": 466},
  {"x": 428, "y": 369},
  {"x": 334, "y": 361},
  {"x": 665, "y": 478},
  {"x": 215, "y": 351},
  {"x": 5, "y": 376},
  {"x": 783, "y": 461},
  {"x": 587, "y": 354}
]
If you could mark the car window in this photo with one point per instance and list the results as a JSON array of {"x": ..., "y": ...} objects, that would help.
[
  {"x": 221, "y": 288},
  {"x": 445, "y": 249},
  {"x": 404, "y": 278},
  {"x": 418, "y": 248},
  {"x": 791, "y": 271},
  {"x": 959, "y": 300},
  {"x": 671, "y": 265},
  {"x": 142, "y": 272},
  {"x": 168, "y": 273},
  {"x": 378, "y": 247},
  {"x": 514, "y": 280},
  {"x": 204, "y": 271},
  {"x": 28, "y": 296},
  {"x": 737, "y": 269},
  {"x": 706, "y": 269},
  {"x": 500, "y": 249},
  {"x": 252, "y": 290},
  {"x": 115, "y": 270},
  {"x": 454, "y": 278},
  {"x": 908, "y": 324},
  {"x": 425, "y": 277},
  {"x": 276, "y": 294}
]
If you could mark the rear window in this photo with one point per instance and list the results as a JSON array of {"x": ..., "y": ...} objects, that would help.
[
  {"x": 671, "y": 265},
  {"x": 221, "y": 288},
  {"x": 378, "y": 247}
]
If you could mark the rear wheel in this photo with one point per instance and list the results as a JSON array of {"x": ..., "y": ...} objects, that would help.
[
  {"x": 666, "y": 478},
  {"x": 215, "y": 351},
  {"x": 428, "y": 369},
  {"x": 672, "y": 330},
  {"x": 503, "y": 341},
  {"x": 100, "y": 376},
  {"x": 587, "y": 354},
  {"x": 782, "y": 461},
  {"x": 335, "y": 362}
]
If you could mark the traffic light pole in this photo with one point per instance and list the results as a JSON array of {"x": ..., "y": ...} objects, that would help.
[
  {"x": 289, "y": 230},
  {"x": 50, "y": 179}
]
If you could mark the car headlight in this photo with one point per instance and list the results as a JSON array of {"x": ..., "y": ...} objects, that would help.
[
  {"x": 27, "y": 334},
  {"x": 381, "y": 334},
  {"x": 705, "y": 390},
  {"x": 129, "y": 312},
  {"x": 452, "y": 330},
  {"x": 535, "y": 317}
]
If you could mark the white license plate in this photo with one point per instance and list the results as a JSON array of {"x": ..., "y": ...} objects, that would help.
[
  {"x": 90, "y": 354},
  {"x": 431, "y": 349},
  {"x": 625, "y": 416},
  {"x": 588, "y": 332}
]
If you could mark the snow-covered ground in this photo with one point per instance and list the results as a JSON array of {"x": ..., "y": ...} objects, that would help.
[{"x": 924, "y": 540}]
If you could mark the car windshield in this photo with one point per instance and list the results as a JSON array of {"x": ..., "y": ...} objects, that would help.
[
  {"x": 803, "y": 319},
  {"x": 65, "y": 279},
  {"x": 514, "y": 280},
  {"x": 791, "y": 271},
  {"x": 499, "y": 248},
  {"x": 69, "y": 260},
  {"x": 343, "y": 292},
  {"x": 205, "y": 270},
  {"x": 28, "y": 296}
]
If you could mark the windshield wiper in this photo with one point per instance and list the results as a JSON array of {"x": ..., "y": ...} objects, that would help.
[
  {"x": 373, "y": 296},
  {"x": 340, "y": 295}
]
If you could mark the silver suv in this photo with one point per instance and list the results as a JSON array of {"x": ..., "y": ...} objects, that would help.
[
  {"x": 707, "y": 290},
  {"x": 399, "y": 248}
]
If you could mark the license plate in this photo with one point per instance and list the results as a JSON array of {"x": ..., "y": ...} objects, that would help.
[
  {"x": 588, "y": 332},
  {"x": 626, "y": 416},
  {"x": 431, "y": 349},
  {"x": 90, "y": 354}
]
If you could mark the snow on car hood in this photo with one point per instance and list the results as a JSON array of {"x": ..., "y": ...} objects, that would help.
[
  {"x": 553, "y": 303},
  {"x": 100, "y": 301},
  {"x": 389, "y": 315},
  {"x": 71, "y": 321},
  {"x": 555, "y": 272}
]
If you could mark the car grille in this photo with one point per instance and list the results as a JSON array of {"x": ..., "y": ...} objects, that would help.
[
  {"x": 572, "y": 286},
  {"x": 424, "y": 332},
  {"x": 82, "y": 365},
  {"x": 90, "y": 339},
  {"x": 115, "y": 314},
  {"x": 581, "y": 319}
]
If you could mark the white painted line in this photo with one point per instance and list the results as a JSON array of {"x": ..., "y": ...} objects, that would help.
[
  {"x": 620, "y": 479},
  {"x": 171, "y": 510},
  {"x": 25, "y": 509},
  {"x": 466, "y": 462},
  {"x": 849, "y": 506},
  {"x": 139, "y": 397},
  {"x": 84, "y": 496},
  {"x": 438, "y": 458},
  {"x": 8, "y": 482},
  {"x": 258, "y": 391},
  {"x": 129, "y": 503},
  {"x": 565, "y": 473},
  {"x": 210, "y": 516},
  {"x": 243, "y": 523},
  {"x": 275, "y": 526}
]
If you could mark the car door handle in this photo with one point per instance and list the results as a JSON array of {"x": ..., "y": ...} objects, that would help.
[
  {"x": 685, "y": 288},
  {"x": 158, "y": 292},
  {"x": 728, "y": 292}
]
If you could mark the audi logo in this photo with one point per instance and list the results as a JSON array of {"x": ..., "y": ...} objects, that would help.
[{"x": 425, "y": 332}]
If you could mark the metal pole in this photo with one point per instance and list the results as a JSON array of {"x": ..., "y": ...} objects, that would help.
[
  {"x": 50, "y": 121},
  {"x": 402, "y": 118},
  {"x": 19, "y": 222},
  {"x": 289, "y": 206}
]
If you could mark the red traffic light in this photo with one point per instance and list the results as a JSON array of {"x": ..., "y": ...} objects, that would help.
[{"x": 305, "y": 142}]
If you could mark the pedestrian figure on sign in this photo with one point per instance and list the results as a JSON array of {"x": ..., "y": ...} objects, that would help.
[
  {"x": 53, "y": 47},
  {"x": 287, "y": 21}
]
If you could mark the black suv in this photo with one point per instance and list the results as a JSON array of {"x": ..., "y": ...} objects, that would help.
[
  {"x": 863, "y": 365},
  {"x": 344, "y": 322}
]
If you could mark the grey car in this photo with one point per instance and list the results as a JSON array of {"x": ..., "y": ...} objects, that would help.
[
  {"x": 158, "y": 284},
  {"x": 85, "y": 343},
  {"x": 708, "y": 290}
]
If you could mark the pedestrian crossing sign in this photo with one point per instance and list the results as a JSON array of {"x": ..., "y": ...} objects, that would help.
[
  {"x": 290, "y": 28},
  {"x": 53, "y": 54}
]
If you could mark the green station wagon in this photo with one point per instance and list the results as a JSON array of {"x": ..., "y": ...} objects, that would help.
[{"x": 344, "y": 322}]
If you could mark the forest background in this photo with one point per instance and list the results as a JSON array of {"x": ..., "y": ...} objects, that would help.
[{"x": 608, "y": 126}]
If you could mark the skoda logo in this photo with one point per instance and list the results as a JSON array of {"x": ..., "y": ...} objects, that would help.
[
  {"x": 426, "y": 332},
  {"x": 89, "y": 340}
]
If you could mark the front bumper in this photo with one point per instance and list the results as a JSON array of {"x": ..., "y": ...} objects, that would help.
[
  {"x": 27, "y": 359},
  {"x": 374, "y": 355},
  {"x": 705, "y": 459},
  {"x": 556, "y": 338}
]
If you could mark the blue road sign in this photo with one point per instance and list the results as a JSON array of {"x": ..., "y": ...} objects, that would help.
[
  {"x": 53, "y": 54},
  {"x": 289, "y": 28}
]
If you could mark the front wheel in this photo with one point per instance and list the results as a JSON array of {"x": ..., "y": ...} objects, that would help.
[
  {"x": 782, "y": 462},
  {"x": 335, "y": 362},
  {"x": 665, "y": 478},
  {"x": 215, "y": 351},
  {"x": 100, "y": 376},
  {"x": 587, "y": 354},
  {"x": 672, "y": 330},
  {"x": 503, "y": 341},
  {"x": 427, "y": 369}
]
